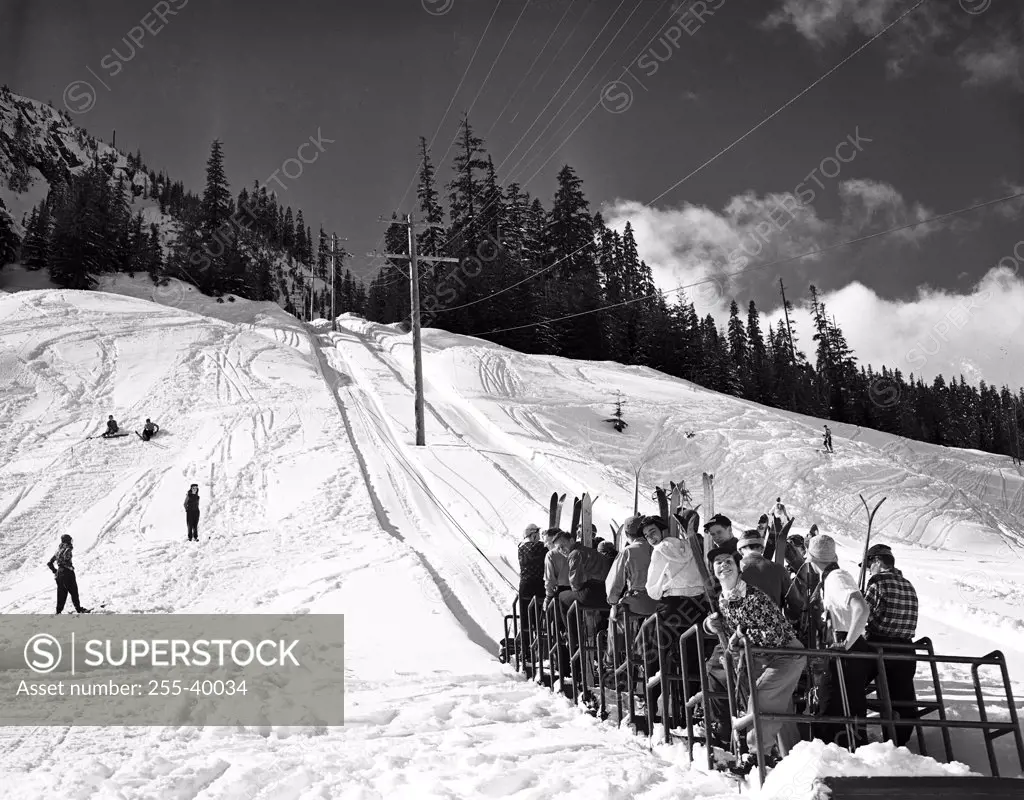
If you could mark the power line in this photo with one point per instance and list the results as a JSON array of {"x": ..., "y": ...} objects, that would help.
[
  {"x": 662, "y": 293},
  {"x": 599, "y": 85},
  {"x": 486, "y": 77},
  {"x": 790, "y": 102},
  {"x": 446, "y": 112},
  {"x": 555, "y": 94},
  {"x": 508, "y": 181},
  {"x": 528, "y": 71},
  {"x": 578, "y": 85},
  {"x": 709, "y": 161}
]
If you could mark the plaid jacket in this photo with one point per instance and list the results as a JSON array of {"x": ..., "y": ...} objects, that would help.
[
  {"x": 892, "y": 603},
  {"x": 531, "y": 563}
]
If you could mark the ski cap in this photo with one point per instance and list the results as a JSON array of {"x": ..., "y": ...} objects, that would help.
[
  {"x": 877, "y": 550},
  {"x": 66, "y": 538},
  {"x": 750, "y": 539},
  {"x": 531, "y": 528},
  {"x": 822, "y": 549},
  {"x": 718, "y": 519},
  {"x": 763, "y": 520}
]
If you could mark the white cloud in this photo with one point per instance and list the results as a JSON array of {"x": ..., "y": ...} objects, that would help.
[
  {"x": 994, "y": 62},
  {"x": 824, "y": 20},
  {"x": 936, "y": 332},
  {"x": 694, "y": 243},
  {"x": 989, "y": 54},
  {"x": 976, "y": 333}
]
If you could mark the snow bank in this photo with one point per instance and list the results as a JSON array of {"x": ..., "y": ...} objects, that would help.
[{"x": 796, "y": 777}]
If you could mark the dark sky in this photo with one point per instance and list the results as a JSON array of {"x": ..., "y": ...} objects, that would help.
[{"x": 264, "y": 76}]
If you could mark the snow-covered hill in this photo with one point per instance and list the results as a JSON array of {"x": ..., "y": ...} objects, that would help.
[
  {"x": 40, "y": 145},
  {"x": 315, "y": 499}
]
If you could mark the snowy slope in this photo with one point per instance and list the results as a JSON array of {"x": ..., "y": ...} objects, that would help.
[
  {"x": 315, "y": 500},
  {"x": 51, "y": 145}
]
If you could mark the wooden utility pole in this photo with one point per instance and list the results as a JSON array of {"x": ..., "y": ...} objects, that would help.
[
  {"x": 414, "y": 308},
  {"x": 334, "y": 255},
  {"x": 789, "y": 329}
]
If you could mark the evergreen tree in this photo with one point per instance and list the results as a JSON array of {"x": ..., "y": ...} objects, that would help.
[{"x": 10, "y": 242}]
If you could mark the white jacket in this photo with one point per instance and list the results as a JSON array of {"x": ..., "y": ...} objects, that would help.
[{"x": 674, "y": 571}]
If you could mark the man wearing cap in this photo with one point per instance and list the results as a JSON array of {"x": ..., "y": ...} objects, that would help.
[
  {"x": 532, "y": 552},
  {"x": 771, "y": 578},
  {"x": 892, "y": 620},
  {"x": 847, "y": 612},
  {"x": 720, "y": 529},
  {"x": 626, "y": 583}
]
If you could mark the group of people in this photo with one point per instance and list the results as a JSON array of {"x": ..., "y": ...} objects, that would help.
[
  {"x": 752, "y": 596},
  {"x": 60, "y": 564},
  {"x": 148, "y": 430}
]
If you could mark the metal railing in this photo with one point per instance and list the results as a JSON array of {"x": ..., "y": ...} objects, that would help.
[
  {"x": 558, "y": 654},
  {"x": 991, "y": 729}
]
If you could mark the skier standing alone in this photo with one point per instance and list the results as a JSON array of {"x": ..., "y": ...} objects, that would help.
[
  {"x": 192, "y": 512},
  {"x": 828, "y": 440},
  {"x": 64, "y": 572}
]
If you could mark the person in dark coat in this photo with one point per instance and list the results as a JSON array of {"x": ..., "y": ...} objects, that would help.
[
  {"x": 111, "y": 427},
  {"x": 64, "y": 573},
  {"x": 892, "y": 620},
  {"x": 192, "y": 512},
  {"x": 531, "y": 581}
]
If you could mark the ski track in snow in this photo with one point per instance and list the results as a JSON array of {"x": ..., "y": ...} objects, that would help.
[{"x": 315, "y": 499}]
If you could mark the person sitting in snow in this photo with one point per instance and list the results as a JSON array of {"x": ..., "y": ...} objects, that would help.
[
  {"x": 111, "y": 428},
  {"x": 64, "y": 573},
  {"x": 149, "y": 429}
]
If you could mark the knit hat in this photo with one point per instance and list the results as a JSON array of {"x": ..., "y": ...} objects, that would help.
[
  {"x": 66, "y": 538},
  {"x": 606, "y": 549},
  {"x": 718, "y": 519},
  {"x": 531, "y": 528},
  {"x": 749, "y": 539},
  {"x": 822, "y": 549},
  {"x": 763, "y": 520},
  {"x": 796, "y": 539},
  {"x": 631, "y": 527}
]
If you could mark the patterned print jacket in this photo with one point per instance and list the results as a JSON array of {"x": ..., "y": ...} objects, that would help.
[
  {"x": 63, "y": 557},
  {"x": 531, "y": 563},
  {"x": 762, "y": 620}
]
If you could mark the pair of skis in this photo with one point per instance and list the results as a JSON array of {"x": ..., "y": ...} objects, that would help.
[
  {"x": 150, "y": 440},
  {"x": 582, "y": 515},
  {"x": 709, "y": 493}
]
